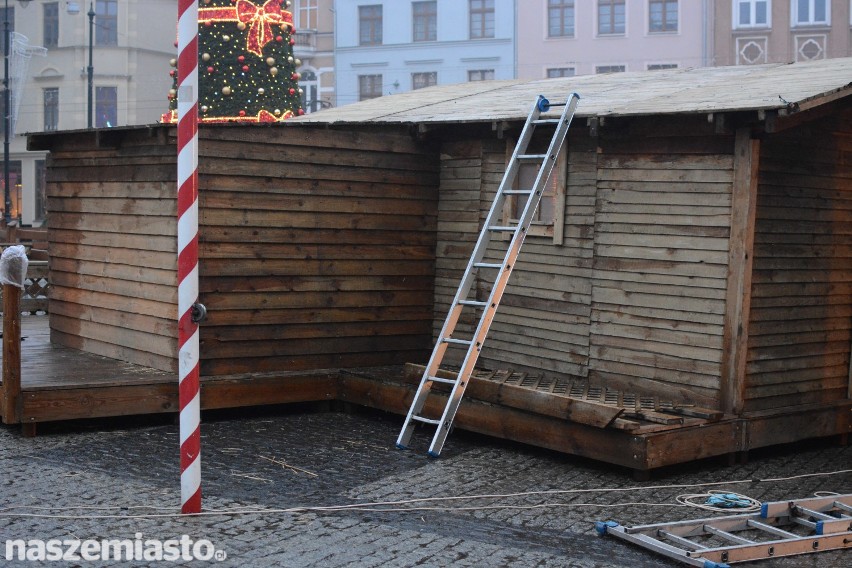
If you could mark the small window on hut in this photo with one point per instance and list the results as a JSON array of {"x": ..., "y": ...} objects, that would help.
[{"x": 549, "y": 218}]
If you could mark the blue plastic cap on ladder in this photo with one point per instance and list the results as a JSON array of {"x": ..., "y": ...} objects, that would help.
[
  {"x": 711, "y": 564},
  {"x": 401, "y": 446},
  {"x": 603, "y": 526},
  {"x": 543, "y": 104},
  {"x": 820, "y": 528},
  {"x": 764, "y": 511},
  {"x": 432, "y": 454}
]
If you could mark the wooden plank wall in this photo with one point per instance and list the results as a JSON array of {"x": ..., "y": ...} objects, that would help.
[
  {"x": 112, "y": 245},
  {"x": 661, "y": 252},
  {"x": 543, "y": 321},
  {"x": 317, "y": 248},
  {"x": 801, "y": 311}
]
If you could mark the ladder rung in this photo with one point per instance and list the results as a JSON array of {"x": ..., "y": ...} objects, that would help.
[
  {"x": 517, "y": 191},
  {"x": 547, "y": 120},
  {"x": 457, "y": 341},
  {"x": 532, "y": 156},
  {"x": 425, "y": 420},
  {"x": 474, "y": 303},
  {"x": 442, "y": 380},
  {"x": 726, "y": 535},
  {"x": 770, "y": 529},
  {"x": 842, "y": 506},
  {"x": 502, "y": 228},
  {"x": 487, "y": 265},
  {"x": 684, "y": 542}
]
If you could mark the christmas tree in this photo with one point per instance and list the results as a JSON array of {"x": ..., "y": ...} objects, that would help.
[{"x": 246, "y": 68}]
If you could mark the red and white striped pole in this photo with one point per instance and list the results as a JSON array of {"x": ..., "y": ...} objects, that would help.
[{"x": 187, "y": 236}]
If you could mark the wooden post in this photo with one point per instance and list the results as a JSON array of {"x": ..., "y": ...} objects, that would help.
[
  {"x": 740, "y": 260},
  {"x": 11, "y": 354}
]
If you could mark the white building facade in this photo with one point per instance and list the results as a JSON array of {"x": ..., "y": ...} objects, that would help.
[
  {"x": 132, "y": 45},
  {"x": 385, "y": 47}
]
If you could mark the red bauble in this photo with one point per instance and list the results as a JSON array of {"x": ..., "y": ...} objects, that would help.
[
  {"x": 292, "y": 41},
  {"x": 245, "y": 68},
  {"x": 301, "y": 111},
  {"x": 242, "y": 113},
  {"x": 172, "y": 73},
  {"x": 292, "y": 91},
  {"x": 279, "y": 39},
  {"x": 176, "y": 43},
  {"x": 208, "y": 23},
  {"x": 241, "y": 58},
  {"x": 211, "y": 69}
]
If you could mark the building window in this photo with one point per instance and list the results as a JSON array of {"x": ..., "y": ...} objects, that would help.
[
  {"x": 752, "y": 13},
  {"x": 14, "y": 189},
  {"x": 106, "y": 106},
  {"x": 425, "y": 21},
  {"x": 51, "y": 108},
  {"x": 481, "y": 19},
  {"x": 612, "y": 17},
  {"x": 560, "y": 72},
  {"x": 306, "y": 12},
  {"x": 423, "y": 80},
  {"x": 106, "y": 22},
  {"x": 369, "y": 87},
  {"x": 310, "y": 92},
  {"x": 549, "y": 217},
  {"x": 480, "y": 75},
  {"x": 603, "y": 69},
  {"x": 661, "y": 66},
  {"x": 560, "y": 18},
  {"x": 811, "y": 12},
  {"x": 662, "y": 16},
  {"x": 370, "y": 25},
  {"x": 50, "y": 20}
]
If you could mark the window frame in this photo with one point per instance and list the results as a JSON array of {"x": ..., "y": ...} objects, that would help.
[
  {"x": 372, "y": 93},
  {"x": 661, "y": 66},
  {"x": 548, "y": 74},
  {"x": 738, "y": 25},
  {"x": 431, "y": 81},
  {"x": 622, "y": 68},
  {"x": 375, "y": 22},
  {"x": 482, "y": 72},
  {"x": 794, "y": 15},
  {"x": 50, "y": 24},
  {"x": 562, "y": 7},
  {"x": 307, "y": 12},
  {"x": 430, "y": 18},
  {"x": 558, "y": 183},
  {"x": 612, "y": 4},
  {"x": 106, "y": 24},
  {"x": 100, "y": 109},
  {"x": 486, "y": 9},
  {"x": 664, "y": 30},
  {"x": 50, "y": 108}
]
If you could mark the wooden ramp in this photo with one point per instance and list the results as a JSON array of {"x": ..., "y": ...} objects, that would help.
[{"x": 570, "y": 416}]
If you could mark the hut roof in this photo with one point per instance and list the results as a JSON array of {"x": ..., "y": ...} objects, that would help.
[{"x": 696, "y": 90}]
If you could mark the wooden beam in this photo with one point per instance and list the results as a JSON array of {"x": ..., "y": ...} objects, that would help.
[
  {"x": 11, "y": 354},
  {"x": 740, "y": 260}
]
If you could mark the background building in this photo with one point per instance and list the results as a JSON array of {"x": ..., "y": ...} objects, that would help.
[
  {"x": 560, "y": 38},
  {"x": 132, "y": 45},
  {"x": 750, "y": 32},
  {"x": 314, "y": 20},
  {"x": 392, "y": 46}
]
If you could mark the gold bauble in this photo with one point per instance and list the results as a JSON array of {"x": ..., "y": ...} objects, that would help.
[
  {"x": 273, "y": 71},
  {"x": 270, "y": 61},
  {"x": 226, "y": 38},
  {"x": 205, "y": 57},
  {"x": 172, "y": 92},
  {"x": 173, "y": 62},
  {"x": 204, "y": 108},
  {"x": 241, "y": 26},
  {"x": 261, "y": 90},
  {"x": 290, "y": 59},
  {"x": 298, "y": 62},
  {"x": 226, "y": 91},
  {"x": 277, "y": 112}
]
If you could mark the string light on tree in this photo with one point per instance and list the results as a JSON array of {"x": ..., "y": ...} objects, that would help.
[{"x": 247, "y": 72}]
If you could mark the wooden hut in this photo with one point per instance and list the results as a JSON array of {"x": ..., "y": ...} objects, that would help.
[{"x": 694, "y": 250}]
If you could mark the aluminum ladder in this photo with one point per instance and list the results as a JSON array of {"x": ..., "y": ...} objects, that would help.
[
  {"x": 493, "y": 273},
  {"x": 820, "y": 523}
]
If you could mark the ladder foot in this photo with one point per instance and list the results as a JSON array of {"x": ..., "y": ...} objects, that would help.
[
  {"x": 401, "y": 446},
  {"x": 432, "y": 454},
  {"x": 603, "y": 526}
]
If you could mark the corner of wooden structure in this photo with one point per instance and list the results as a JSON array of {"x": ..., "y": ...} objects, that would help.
[
  {"x": 11, "y": 394},
  {"x": 740, "y": 262}
]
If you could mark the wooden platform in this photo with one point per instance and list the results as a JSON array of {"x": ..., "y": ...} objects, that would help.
[{"x": 641, "y": 433}]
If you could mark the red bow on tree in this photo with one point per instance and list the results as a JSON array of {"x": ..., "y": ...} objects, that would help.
[{"x": 259, "y": 20}]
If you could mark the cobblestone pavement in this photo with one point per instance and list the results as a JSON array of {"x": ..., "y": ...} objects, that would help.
[{"x": 129, "y": 470}]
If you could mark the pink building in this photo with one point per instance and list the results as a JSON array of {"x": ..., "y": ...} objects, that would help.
[{"x": 558, "y": 38}]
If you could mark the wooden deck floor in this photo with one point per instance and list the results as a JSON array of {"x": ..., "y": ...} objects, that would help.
[{"x": 60, "y": 383}]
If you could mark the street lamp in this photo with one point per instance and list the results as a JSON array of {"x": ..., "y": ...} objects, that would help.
[
  {"x": 90, "y": 69},
  {"x": 7, "y": 112}
]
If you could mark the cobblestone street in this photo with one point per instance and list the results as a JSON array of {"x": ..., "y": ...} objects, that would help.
[{"x": 115, "y": 479}]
